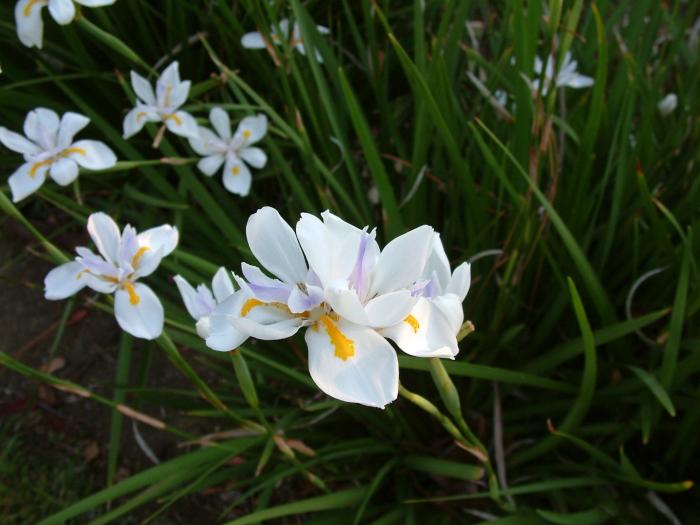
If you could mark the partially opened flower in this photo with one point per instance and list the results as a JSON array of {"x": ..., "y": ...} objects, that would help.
[
  {"x": 256, "y": 40},
  {"x": 161, "y": 105},
  {"x": 566, "y": 76},
  {"x": 123, "y": 259},
  {"x": 431, "y": 329},
  {"x": 49, "y": 149},
  {"x": 30, "y": 26},
  {"x": 200, "y": 302},
  {"x": 233, "y": 152}
]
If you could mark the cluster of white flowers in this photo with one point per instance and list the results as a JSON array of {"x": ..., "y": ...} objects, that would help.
[
  {"x": 329, "y": 277},
  {"x": 333, "y": 280}
]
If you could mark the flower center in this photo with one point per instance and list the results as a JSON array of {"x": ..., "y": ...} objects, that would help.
[{"x": 47, "y": 162}]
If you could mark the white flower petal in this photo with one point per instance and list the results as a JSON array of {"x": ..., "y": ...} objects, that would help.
[
  {"x": 252, "y": 129},
  {"x": 195, "y": 306},
  {"x": 304, "y": 299},
  {"x": 263, "y": 287},
  {"x": 17, "y": 142},
  {"x": 71, "y": 123},
  {"x": 438, "y": 263},
  {"x": 26, "y": 180},
  {"x": 62, "y": 11},
  {"x": 666, "y": 105},
  {"x": 254, "y": 156},
  {"x": 41, "y": 127},
  {"x": 401, "y": 261},
  {"x": 266, "y": 332},
  {"x": 237, "y": 177},
  {"x": 222, "y": 336},
  {"x": 576, "y": 81},
  {"x": 323, "y": 30},
  {"x": 64, "y": 281},
  {"x": 163, "y": 238},
  {"x": 147, "y": 263},
  {"x": 105, "y": 234},
  {"x": 220, "y": 120},
  {"x": 143, "y": 89},
  {"x": 451, "y": 307},
  {"x": 389, "y": 309},
  {"x": 91, "y": 154},
  {"x": 253, "y": 40},
  {"x": 211, "y": 164},
  {"x": 222, "y": 285},
  {"x": 179, "y": 94},
  {"x": 274, "y": 244},
  {"x": 139, "y": 312},
  {"x": 168, "y": 80},
  {"x": 347, "y": 304},
  {"x": 426, "y": 333},
  {"x": 183, "y": 124},
  {"x": 95, "y": 3},
  {"x": 460, "y": 281},
  {"x": 30, "y": 27},
  {"x": 369, "y": 376},
  {"x": 64, "y": 171},
  {"x": 136, "y": 119}
]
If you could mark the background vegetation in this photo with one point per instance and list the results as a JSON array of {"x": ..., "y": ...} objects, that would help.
[{"x": 579, "y": 211}]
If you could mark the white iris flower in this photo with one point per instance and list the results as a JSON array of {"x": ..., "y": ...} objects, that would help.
[
  {"x": 332, "y": 279},
  {"x": 162, "y": 105},
  {"x": 668, "y": 104},
  {"x": 124, "y": 258},
  {"x": 30, "y": 26},
  {"x": 567, "y": 76},
  {"x": 234, "y": 152},
  {"x": 255, "y": 39},
  {"x": 49, "y": 149},
  {"x": 200, "y": 302}
]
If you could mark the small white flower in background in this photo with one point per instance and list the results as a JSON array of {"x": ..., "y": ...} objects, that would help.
[
  {"x": 49, "y": 149},
  {"x": 200, "y": 302},
  {"x": 567, "y": 76},
  {"x": 234, "y": 152},
  {"x": 162, "y": 105},
  {"x": 332, "y": 279},
  {"x": 668, "y": 104},
  {"x": 30, "y": 26},
  {"x": 256, "y": 40},
  {"x": 124, "y": 258}
]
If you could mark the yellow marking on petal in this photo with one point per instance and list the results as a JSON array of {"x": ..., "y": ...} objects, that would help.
[
  {"x": 27, "y": 11},
  {"x": 236, "y": 170},
  {"x": 249, "y": 305},
  {"x": 247, "y": 134},
  {"x": 68, "y": 151},
  {"x": 136, "y": 259},
  {"x": 254, "y": 303},
  {"x": 35, "y": 167},
  {"x": 133, "y": 296},
  {"x": 174, "y": 117},
  {"x": 344, "y": 347},
  {"x": 413, "y": 322},
  {"x": 140, "y": 114}
]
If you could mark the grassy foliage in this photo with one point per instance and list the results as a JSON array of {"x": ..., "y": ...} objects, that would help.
[{"x": 581, "y": 378}]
